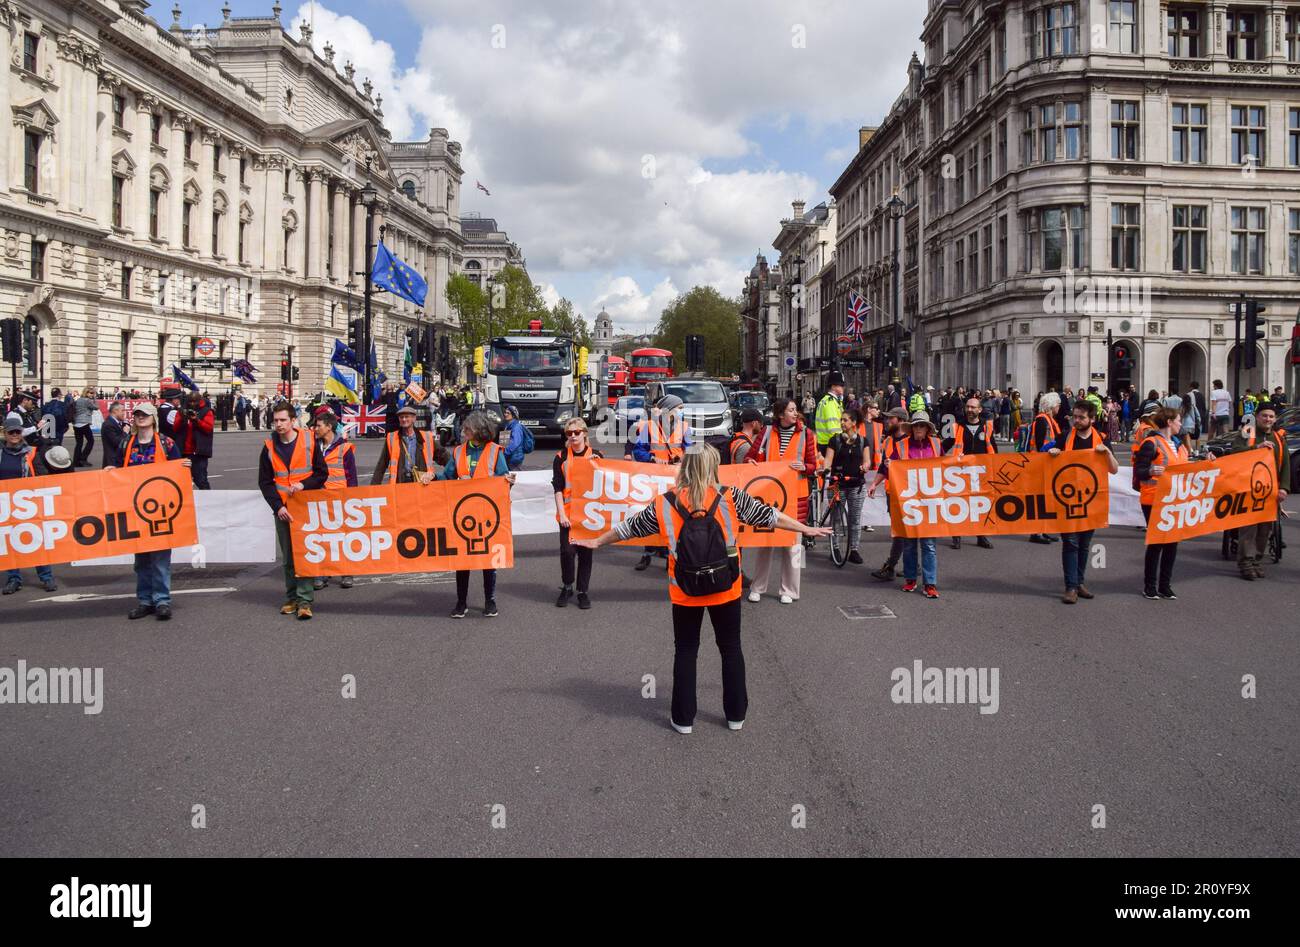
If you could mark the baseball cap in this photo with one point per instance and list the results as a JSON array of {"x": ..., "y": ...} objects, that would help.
[
  {"x": 750, "y": 415},
  {"x": 900, "y": 413},
  {"x": 13, "y": 422},
  {"x": 145, "y": 407},
  {"x": 58, "y": 458}
]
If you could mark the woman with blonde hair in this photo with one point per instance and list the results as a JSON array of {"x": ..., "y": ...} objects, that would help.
[
  {"x": 83, "y": 413},
  {"x": 696, "y": 521}
]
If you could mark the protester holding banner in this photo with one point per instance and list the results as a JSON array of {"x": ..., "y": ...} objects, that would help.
[
  {"x": 479, "y": 456},
  {"x": 973, "y": 434},
  {"x": 787, "y": 441},
  {"x": 698, "y": 519},
  {"x": 18, "y": 460},
  {"x": 1252, "y": 541},
  {"x": 1156, "y": 455},
  {"x": 1042, "y": 435},
  {"x": 921, "y": 442},
  {"x": 153, "y": 570},
  {"x": 898, "y": 427},
  {"x": 660, "y": 438},
  {"x": 290, "y": 462},
  {"x": 113, "y": 433},
  {"x": 576, "y": 446},
  {"x": 847, "y": 462},
  {"x": 741, "y": 449},
  {"x": 341, "y": 460},
  {"x": 1077, "y": 547},
  {"x": 409, "y": 455}
]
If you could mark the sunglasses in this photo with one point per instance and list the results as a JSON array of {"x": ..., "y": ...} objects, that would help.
[{"x": 574, "y": 433}]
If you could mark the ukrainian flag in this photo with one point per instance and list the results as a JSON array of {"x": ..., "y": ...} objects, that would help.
[{"x": 343, "y": 383}]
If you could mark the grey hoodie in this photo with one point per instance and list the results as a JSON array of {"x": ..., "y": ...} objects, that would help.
[{"x": 13, "y": 461}]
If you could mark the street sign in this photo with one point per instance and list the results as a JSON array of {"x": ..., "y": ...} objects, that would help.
[
  {"x": 204, "y": 347},
  {"x": 853, "y": 363},
  {"x": 789, "y": 360},
  {"x": 192, "y": 363}
]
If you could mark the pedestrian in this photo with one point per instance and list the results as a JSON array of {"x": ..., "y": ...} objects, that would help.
[
  {"x": 255, "y": 411},
  {"x": 83, "y": 412},
  {"x": 1076, "y": 547},
  {"x": 145, "y": 444},
  {"x": 113, "y": 432},
  {"x": 829, "y": 410},
  {"x": 696, "y": 521},
  {"x": 787, "y": 441},
  {"x": 575, "y": 447},
  {"x": 1156, "y": 455},
  {"x": 478, "y": 457},
  {"x": 973, "y": 434},
  {"x": 1252, "y": 541},
  {"x": 170, "y": 396},
  {"x": 241, "y": 411},
  {"x": 18, "y": 460},
  {"x": 847, "y": 463},
  {"x": 57, "y": 409},
  {"x": 1041, "y": 437},
  {"x": 514, "y": 438},
  {"x": 1196, "y": 410},
  {"x": 341, "y": 461},
  {"x": 920, "y": 443},
  {"x": 193, "y": 426},
  {"x": 290, "y": 462}
]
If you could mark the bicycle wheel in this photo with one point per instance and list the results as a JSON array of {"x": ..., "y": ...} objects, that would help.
[
  {"x": 839, "y": 543},
  {"x": 1275, "y": 544},
  {"x": 815, "y": 515}
]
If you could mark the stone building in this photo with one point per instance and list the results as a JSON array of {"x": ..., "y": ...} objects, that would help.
[
  {"x": 806, "y": 244},
  {"x": 488, "y": 248},
  {"x": 602, "y": 335},
  {"x": 164, "y": 185}
]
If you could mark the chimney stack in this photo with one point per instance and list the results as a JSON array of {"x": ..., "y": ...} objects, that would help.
[{"x": 798, "y": 209}]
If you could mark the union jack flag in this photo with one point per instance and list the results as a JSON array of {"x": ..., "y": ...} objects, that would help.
[
  {"x": 360, "y": 418},
  {"x": 857, "y": 318}
]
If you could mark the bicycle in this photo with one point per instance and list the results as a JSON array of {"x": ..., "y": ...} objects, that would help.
[
  {"x": 836, "y": 515},
  {"x": 1275, "y": 543},
  {"x": 814, "y": 507}
]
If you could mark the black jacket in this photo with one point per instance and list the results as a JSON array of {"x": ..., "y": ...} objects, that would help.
[{"x": 113, "y": 434}]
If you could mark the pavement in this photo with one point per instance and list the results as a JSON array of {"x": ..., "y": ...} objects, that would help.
[{"x": 531, "y": 734}]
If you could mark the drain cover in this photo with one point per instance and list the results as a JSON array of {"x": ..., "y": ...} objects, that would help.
[{"x": 855, "y": 612}]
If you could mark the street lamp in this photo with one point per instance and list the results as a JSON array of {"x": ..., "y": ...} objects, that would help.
[
  {"x": 896, "y": 209},
  {"x": 369, "y": 200}
]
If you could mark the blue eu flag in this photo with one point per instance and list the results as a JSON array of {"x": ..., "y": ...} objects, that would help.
[{"x": 396, "y": 277}]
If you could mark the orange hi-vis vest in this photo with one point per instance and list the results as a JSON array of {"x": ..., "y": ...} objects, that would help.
[
  {"x": 394, "y": 444},
  {"x": 299, "y": 468},
  {"x": 159, "y": 450},
  {"x": 1140, "y": 434},
  {"x": 736, "y": 440},
  {"x": 664, "y": 448},
  {"x": 1169, "y": 457},
  {"x": 959, "y": 442},
  {"x": 334, "y": 456},
  {"x": 29, "y": 462},
  {"x": 1096, "y": 438},
  {"x": 670, "y": 524},
  {"x": 904, "y": 449},
  {"x": 566, "y": 456},
  {"x": 1278, "y": 437},
  {"x": 874, "y": 440},
  {"x": 487, "y": 461},
  {"x": 769, "y": 446},
  {"x": 1053, "y": 429}
]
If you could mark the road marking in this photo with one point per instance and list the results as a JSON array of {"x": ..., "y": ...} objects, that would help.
[
  {"x": 97, "y": 597},
  {"x": 237, "y": 469}
]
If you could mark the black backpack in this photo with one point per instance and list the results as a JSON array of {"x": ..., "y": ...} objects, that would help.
[{"x": 705, "y": 564}]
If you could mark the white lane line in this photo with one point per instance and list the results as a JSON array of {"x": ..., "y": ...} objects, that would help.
[
  {"x": 237, "y": 469},
  {"x": 97, "y": 597}
]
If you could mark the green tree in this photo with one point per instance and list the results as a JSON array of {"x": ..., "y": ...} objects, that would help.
[
  {"x": 706, "y": 312},
  {"x": 503, "y": 307},
  {"x": 564, "y": 320}
]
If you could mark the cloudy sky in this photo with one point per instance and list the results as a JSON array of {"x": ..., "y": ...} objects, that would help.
[{"x": 633, "y": 150}]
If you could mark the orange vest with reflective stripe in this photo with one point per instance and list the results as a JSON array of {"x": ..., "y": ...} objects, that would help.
[
  {"x": 487, "y": 461},
  {"x": 959, "y": 444},
  {"x": 736, "y": 440},
  {"x": 1053, "y": 429},
  {"x": 669, "y": 449},
  {"x": 159, "y": 450},
  {"x": 875, "y": 440},
  {"x": 903, "y": 448},
  {"x": 394, "y": 443},
  {"x": 1140, "y": 434},
  {"x": 1169, "y": 457},
  {"x": 566, "y": 455},
  {"x": 335, "y": 455},
  {"x": 299, "y": 468},
  {"x": 770, "y": 447},
  {"x": 670, "y": 524}
]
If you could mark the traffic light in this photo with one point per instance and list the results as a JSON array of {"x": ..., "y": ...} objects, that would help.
[
  {"x": 284, "y": 369},
  {"x": 295, "y": 373},
  {"x": 427, "y": 349},
  {"x": 1122, "y": 358},
  {"x": 356, "y": 329},
  {"x": 478, "y": 361},
  {"x": 695, "y": 353},
  {"x": 1254, "y": 332},
  {"x": 11, "y": 334},
  {"x": 1295, "y": 343}
]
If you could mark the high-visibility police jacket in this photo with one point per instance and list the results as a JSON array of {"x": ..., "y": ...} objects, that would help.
[
  {"x": 396, "y": 445},
  {"x": 487, "y": 461},
  {"x": 299, "y": 468},
  {"x": 670, "y": 524},
  {"x": 1170, "y": 456},
  {"x": 335, "y": 456},
  {"x": 829, "y": 410}
]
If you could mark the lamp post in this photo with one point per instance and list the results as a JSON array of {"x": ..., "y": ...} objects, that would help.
[
  {"x": 490, "y": 284},
  {"x": 369, "y": 198},
  {"x": 896, "y": 208}
]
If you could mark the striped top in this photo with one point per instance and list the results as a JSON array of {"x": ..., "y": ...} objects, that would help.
[{"x": 751, "y": 511}]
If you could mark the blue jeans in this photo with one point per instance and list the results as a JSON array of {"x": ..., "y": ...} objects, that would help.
[
  {"x": 43, "y": 573},
  {"x": 1075, "y": 549},
  {"x": 153, "y": 577},
  {"x": 929, "y": 561}
]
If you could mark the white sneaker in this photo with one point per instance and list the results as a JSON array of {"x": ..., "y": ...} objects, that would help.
[
  {"x": 735, "y": 724},
  {"x": 755, "y": 597},
  {"x": 678, "y": 728},
  {"x": 786, "y": 600},
  {"x": 869, "y": 529}
]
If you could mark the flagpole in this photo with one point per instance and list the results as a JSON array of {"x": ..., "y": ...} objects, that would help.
[{"x": 369, "y": 195}]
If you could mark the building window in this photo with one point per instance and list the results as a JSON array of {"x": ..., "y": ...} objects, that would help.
[
  {"x": 1125, "y": 236},
  {"x": 1052, "y": 236},
  {"x": 1124, "y": 131},
  {"x": 1190, "y": 237},
  {"x": 162, "y": 355},
  {"x": 216, "y": 233},
  {"x": 987, "y": 249},
  {"x": 408, "y": 188},
  {"x": 1293, "y": 242},
  {"x": 1047, "y": 133},
  {"x": 959, "y": 182},
  {"x": 155, "y": 128},
  {"x": 1247, "y": 240},
  {"x": 243, "y": 169},
  {"x": 1002, "y": 147},
  {"x": 1243, "y": 35},
  {"x": 959, "y": 266},
  {"x": 288, "y": 246},
  {"x": 1248, "y": 130},
  {"x": 1077, "y": 243},
  {"x": 163, "y": 281},
  {"x": 126, "y": 281},
  {"x": 189, "y": 146},
  {"x": 1054, "y": 239},
  {"x": 243, "y": 228},
  {"x": 973, "y": 172},
  {"x": 1293, "y": 138},
  {"x": 186, "y": 212},
  {"x": 1293, "y": 35},
  {"x": 1072, "y": 131},
  {"x": 216, "y": 159},
  {"x": 155, "y": 199},
  {"x": 286, "y": 180},
  {"x": 38, "y": 260},
  {"x": 973, "y": 261},
  {"x": 119, "y": 111},
  {"x": 1052, "y": 30},
  {"x": 1002, "y": 247},
  {"x": 32, "y": 162},
  {"x": 987, "y": 169},
  {"x": 119, "y": 184},
  {"x": 1183, "y": 28},
  {"x": 1123, "y": 26},
  {"x": 31, "y": 42},
  {"x": 1000, "y": 48},
  {"x": 126, "y": 354},
  {"x": 1190, "y": 133}
]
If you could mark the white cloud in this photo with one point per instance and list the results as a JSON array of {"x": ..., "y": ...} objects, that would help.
[{"x": 632, "y": 309}]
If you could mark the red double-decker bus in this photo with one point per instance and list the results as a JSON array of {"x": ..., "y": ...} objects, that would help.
[
  {"x": 650, "y": 365},
  {"x": 616, "y": 378}
]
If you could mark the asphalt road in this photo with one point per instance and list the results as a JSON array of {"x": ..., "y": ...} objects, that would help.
[{"x": 1133, "y": 705}]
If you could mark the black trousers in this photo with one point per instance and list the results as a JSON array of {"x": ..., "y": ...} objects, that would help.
[
  {"x": 568, "y": 552},
  {"x": 462, "y": 585},
  {"x": 687, "y": 620},
  {"x": 199, "y": 472},
  {"x": 85, "y": 443},
  {"x": 1158, "y": 567}
]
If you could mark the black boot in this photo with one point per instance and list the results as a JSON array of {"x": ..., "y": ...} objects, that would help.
[
  {"x": 886, "y": 572},
  {"x": 643, "y": 563},
  {"x": 566, "y": 593}
]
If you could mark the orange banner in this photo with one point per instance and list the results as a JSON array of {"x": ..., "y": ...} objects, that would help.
[
  {"x": 606, "y": 492},
  {"x": 95, "y": 513},
  {"x": 405, "y": 527},
  {"x": 999, "y": 494},
  {"x": 1214, "y": 495}
]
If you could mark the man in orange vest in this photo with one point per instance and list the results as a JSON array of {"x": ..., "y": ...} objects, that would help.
[
  {"x": 409, "y": 455},
  {"x": 291, "y": 462},
  {"x": 1042, "y": 436},
  {"x": 898, "y": 427},
  {"x": 1252, "y": 541},
  {"x": 18, "y": 460},
  {"x": 743, "y": 441},
  {"x": 973, "y": 434},
  {"x": 1158, "y": 453},
  {"x": 1077, "y": 547},
  {"x": 341, "y": 462},
  {"x": 153, "y": 570}
]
